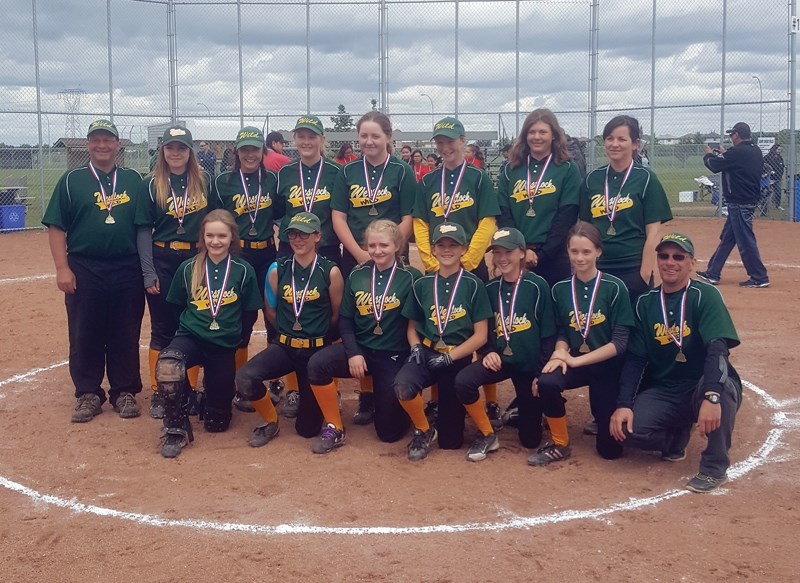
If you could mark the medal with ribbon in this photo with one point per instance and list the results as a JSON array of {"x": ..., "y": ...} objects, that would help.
[
  {"x": 611, "y": 204},
  {"x": 678, "y": 340},
  {"x": 108, "y": 201},
  {"x": 297, "y": 307},
  {"x": 372, "y": 194},
  {"x": 379, "y": 308},
  {"x": 446, "y": 205},
  {"x": 252, "y": 211},
  {"x": 308, "y": 203},
  {"x": 180, "y": 215},
  {"x": 583, "y": 330},
  {"x": 214, "y": 309},
  {"x": 507, "y": 327},
  {"x": 440, "y": 327},
  {"x": 532, "y": 192}
]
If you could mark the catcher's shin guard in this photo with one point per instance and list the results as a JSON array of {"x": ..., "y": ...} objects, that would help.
[{"x": 171, "y": 379}]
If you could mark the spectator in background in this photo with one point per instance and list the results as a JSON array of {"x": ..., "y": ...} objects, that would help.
[
  {"x": 345, "y": 154},
  {"x": 274, "y": 158},
  {"x": 420, "y": 168},
  {"x": 741, "y": 167},
  {"x": 774, "y": 165},
  {"x": 405, "y": 154},
  {"x": 207, "y": 159},
  {"x": 504, "y": 152},
  {"x": 474, "y": 156},
  {"x": 433, "y": 161},
  {"x": 227, "y": 160}
]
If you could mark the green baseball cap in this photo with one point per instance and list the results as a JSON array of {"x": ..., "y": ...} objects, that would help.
[
  {"x": 449, "y": 127},
  {"x": 249, "y": 136},
  {"x": 102, "y": 125},
  {"x": 309, "y": 122},
  {"x": 452, "y": 231},
  {"x": 177, "y": 134},
  {"x": 508, "y": 238},
  {"x": 678, "y": 239},
  {"x": 304, "y": 222}
]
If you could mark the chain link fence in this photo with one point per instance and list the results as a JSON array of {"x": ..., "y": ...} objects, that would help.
[{"x": 686, "y": 71}]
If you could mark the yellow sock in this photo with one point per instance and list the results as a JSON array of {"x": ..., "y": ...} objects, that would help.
[
  {"x": 265, "y": 409},
  {"x": 490, "y": 392},
  {"x": 416, "y": 410},
  {"x": 291, "y": 382},
  {"x": 241, "y": 357},
  {"x": 328, "y": 401},
  {"x": 434, "y": 392},
  {"x": 153, "y": 356},
  {"x": 366, "y": 385},
  {"x": 477, "y": 411},
  {"x": 193, "y": 374},
  {"x": 558, "y": 430}
]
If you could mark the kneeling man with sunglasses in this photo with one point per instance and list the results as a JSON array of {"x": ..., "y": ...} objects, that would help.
[{"x": 677, "y": 371}]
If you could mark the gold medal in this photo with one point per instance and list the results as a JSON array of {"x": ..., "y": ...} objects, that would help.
[
  {"x": 373, "y": 212},
  {"x": 110, "y": 220},
  {"x": 378, "y": 331},
  {"x": 441, "y": 345},
  {"x": 681, "y": 357},
  {"x": 180, "y": 230},
  {"x": 507, "y": 351},
  {"x": 530, "y": 212},
  {"x": 584, "y": 348},
  {"x": 296, "y": 326},
  {"x": 214, "y": 325},
  {"x": 252, "y": 232},
  {"x": 611, "y": 231}
]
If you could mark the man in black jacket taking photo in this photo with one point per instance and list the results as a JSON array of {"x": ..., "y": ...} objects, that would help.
[{"x": 741, "y": 168}]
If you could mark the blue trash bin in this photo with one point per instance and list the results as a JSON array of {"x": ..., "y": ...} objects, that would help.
[{"x": 12, "y": 217}]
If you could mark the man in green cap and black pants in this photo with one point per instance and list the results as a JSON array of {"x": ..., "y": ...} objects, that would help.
[
  {"x": 677, "y": 371},
  {"x": 92, "y": 237}
]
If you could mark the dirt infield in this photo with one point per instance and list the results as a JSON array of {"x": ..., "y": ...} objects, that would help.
[{"x": 97, "y": 502}]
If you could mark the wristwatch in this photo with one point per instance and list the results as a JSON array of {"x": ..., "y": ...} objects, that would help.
[{"x": 712, "y": 398}]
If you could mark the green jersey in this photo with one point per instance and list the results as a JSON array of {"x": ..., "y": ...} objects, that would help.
[
  {"x": 310, "y": 296},
  {"x": 612, "y": 307},
  {"x": 474, "y": 200},
  {"x": 392, "y": 196},
  {"x": 359, "y": 305},
  {"x": 239, "y": 294},
  {"x": 165, "y": 220},
  {"x": 249, "y": 210},
  {"x": 531, "y": 321},
  {"x": 706, "y": 318},
  {"x": 469, "y": 304},
  {"x": 559, "y": 186},
  {"x": 641, "y": 201},
  {"x": 98, "y": 214},
  {"x": 311, "y": 194}
]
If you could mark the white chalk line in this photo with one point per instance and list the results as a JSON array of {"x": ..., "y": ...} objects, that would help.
[
  {"x": 737, "y": 471},
  {"x": 30, "y": 374},
  {"x": 11, "y": 280}
]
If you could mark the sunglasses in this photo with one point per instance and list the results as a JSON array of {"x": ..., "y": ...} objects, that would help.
[
  {"x": 298, "y": 235},
  {"x": 675, "y": 256}
]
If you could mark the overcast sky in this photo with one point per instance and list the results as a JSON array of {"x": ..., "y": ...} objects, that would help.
[{"x": 554, "y": 62}]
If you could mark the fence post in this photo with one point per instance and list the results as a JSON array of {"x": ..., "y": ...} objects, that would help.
[{"x": 38, "y": 104}]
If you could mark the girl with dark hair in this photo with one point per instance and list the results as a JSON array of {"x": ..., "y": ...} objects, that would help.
[
  {"x": 419, "y": 165},
  {"x": 215, "y": 291},
  {"x": 539, "y": 191},
  {"x": 627, "y": 204},
  {"x": 345, "y": 154},
  {"x": 405, "y": 154},
  {"x": 593, "y": 317},
  {"x": 474, "y": 156}
]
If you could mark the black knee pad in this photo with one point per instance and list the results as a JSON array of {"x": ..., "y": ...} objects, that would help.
[
  {"x": 216, "y": 420},
  {"x": 467, "y": 394},
  {"x": 171, "y": 372},
  {"x": 404, "y": 392},
  {"x": 249, "y": 389}
]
